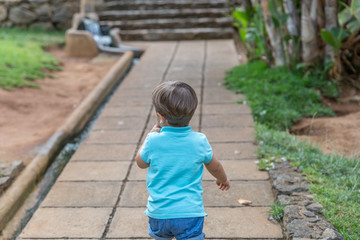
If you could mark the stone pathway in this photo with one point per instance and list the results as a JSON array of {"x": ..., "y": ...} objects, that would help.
[{"x": 102, "y": 193}]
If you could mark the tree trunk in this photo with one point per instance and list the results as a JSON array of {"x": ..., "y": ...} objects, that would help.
[
  {"x": 293, "y": 27},
  {"x": 331, "y": 21},
  {"x": 310, "y": 51},
  {"x": 274, "y": 35}
]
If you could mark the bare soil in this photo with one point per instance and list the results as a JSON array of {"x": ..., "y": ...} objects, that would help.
[
  {"x": 29, "y": 116},
  {"x": 335, "y": 135}
]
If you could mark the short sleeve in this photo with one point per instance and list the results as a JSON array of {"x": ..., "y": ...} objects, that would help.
[
  {"x": 207, "y": 150},
  {"x": 145, "y": 151}
]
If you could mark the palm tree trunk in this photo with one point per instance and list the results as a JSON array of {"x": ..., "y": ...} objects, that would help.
[
  {"x": 331, "y": 21},
  {"x": 310, "y": 50},
  {"x": 293, "y": 27},
  {"x": 274, "y": 35}
]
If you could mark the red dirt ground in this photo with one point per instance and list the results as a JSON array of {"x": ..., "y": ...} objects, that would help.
[
  {"x": 29, "y": 116},
  {"x": 340, "y": 134}
]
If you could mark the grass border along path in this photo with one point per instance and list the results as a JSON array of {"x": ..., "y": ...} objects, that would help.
[
  {"x": 278, "y": 98},
  {"x": 23, "y": 58}
]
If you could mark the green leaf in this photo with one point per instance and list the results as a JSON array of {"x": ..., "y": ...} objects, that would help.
[
  {"x": 345, "y": 15},
  {"x": 353, "y": 26},
  {"x": 241, "y": 17},
  {"x": 275, "y": 21},
  {"x": 330, "y": 39},
  {"x": 242, "y": 33}
]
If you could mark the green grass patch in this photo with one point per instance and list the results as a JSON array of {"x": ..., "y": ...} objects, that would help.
[
  {"x": 279, "y": 97},
  {"x": 277, "y": 211},
  {"x": 23, "y": 58},
  {"x": 334, "y": 179}
]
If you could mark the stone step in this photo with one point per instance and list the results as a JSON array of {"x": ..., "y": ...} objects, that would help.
[
  {"x": 161, "y": 4},
  {"x": 170, "y": 23},
  {"x": 161, "y": 13},
  {"x": 177, "y": 34}
]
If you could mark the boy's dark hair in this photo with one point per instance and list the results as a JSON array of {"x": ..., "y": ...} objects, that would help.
[{"x": 176, "y": 101}]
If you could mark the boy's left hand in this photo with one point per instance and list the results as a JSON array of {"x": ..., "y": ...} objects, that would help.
[{"x": 223, "y": 186}]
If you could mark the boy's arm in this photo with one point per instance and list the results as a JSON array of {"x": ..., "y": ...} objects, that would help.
[
  {"x": 216, "y": 169},
  {"x": 139, "y": 161}
]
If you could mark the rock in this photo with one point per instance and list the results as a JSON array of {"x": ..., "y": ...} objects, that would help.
[
  {"x": 308, "y": 214},
  {"x": 3, "y": 13},
  {"x": 299, "y": 228},
  {"x": 291, "y": 213},
  {"x": 37, "y": 2},
  {"x": 22, "y": 14},
  {"x": 44, "y": 12},
  {"x": 331, "y": 234},
  {"x": 4, "y": 183},
  {"x": 315, "y": 207},
  {"x": 62, "y": 16},
  {"x": 12, "y": 169},
  {"x": 42, "y": 25}
]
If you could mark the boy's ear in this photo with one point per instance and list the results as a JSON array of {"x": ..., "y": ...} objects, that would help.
[{"x": 161, "y": 117}]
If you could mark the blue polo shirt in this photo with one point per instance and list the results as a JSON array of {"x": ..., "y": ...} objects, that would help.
[{"x": 176, "y": 156}]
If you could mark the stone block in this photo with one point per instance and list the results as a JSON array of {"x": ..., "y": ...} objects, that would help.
[
  {"x": 3, "y": 13},
  {"x": 83, "y": 194},
  {"x": 94, "y": 171},
  {"x": 129, "y": 223},
  {"x": 229, "y": 121},
  {"x": 234, "y": 151},
  {"x": 259, "y": 192},
  {"x": 116, "y": 123},
  {"x": 240, "y": 170},
  {"x": 131, "y": 111},
  {"x": 67, "y": 223},
  {"x": 22, "y": 14},
  {"x": 217, "y": 95},
  {"x": 114, "y": 136},
  {"x": 227, "y": 109},
  {"x": 229, "y": 135},
  {"x": 247, "y": 222},
  {"x": 236, "y": 171},
  {"x": 104, "y": 152},
  {"x": 80, "y": 44}
]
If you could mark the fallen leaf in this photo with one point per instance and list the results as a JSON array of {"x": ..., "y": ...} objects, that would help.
[{"x": 244, "y": 202}]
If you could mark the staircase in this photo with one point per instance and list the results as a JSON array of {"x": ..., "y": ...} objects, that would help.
[{"x": 152, "y": 20}]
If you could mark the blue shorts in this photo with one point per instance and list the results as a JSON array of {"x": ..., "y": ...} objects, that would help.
[{"x": 180, "y": 228}]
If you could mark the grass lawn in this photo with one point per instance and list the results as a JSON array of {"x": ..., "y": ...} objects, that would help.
[
  {"x": 278, "y": 98},
  {"x": 23, "y": 58}
]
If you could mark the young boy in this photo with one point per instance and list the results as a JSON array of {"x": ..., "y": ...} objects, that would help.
[{"x": 175, "y": 156}]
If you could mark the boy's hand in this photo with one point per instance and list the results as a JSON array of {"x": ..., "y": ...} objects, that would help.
[
  {"x": 223, "y": 186},
  {"x": 156, "y": 128}
]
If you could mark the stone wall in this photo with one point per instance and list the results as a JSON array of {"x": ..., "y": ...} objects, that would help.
[{"x": 45, "y": 14}]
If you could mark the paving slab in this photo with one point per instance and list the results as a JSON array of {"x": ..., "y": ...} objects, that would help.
[
  {"x": 94, "y": 171},
  {"x": 67, "y": 223},
  {"x": 218, "y": 135},
  {"x": 217, "y": 95},
  {"x": 234, "y": 151},
  {"x": 226, "y": 109},
  {"x": 247, "y": 222},
  {"x": 83, "y": 194},
  {"x": 240, "y": 170},
  {"x": 236, "y": 170},
  {"x": 129, "y": 223},
  {"x": 136, "y": 195},
  {"x": 129, "y": 111},
  {"x": 130, "y": 101},
  {"x": 230, "y": 121},
  {"x": 116, "y": 152},
  {"x": 118, "y": 123},
  {"x": 114, "y": 136}
]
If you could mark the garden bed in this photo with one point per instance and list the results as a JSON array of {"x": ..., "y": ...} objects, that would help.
[{"x": 31, "y": 115}]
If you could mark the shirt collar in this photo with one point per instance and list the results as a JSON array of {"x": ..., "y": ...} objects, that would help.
[{"x": 175, "y": 129}]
